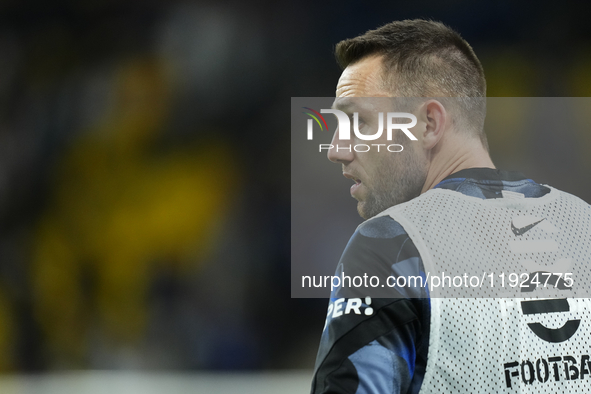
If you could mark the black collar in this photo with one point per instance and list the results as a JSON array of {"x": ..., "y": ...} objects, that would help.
[{"x": 487, "y": 174}]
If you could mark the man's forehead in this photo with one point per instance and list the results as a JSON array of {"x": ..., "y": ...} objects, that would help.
[
  {"x": 356, "y": 104},
  {"x": 377, "y": 103},
  {"x": 362, "y": 79}
]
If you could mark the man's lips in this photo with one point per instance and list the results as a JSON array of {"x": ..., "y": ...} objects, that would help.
[{"x": 354, "y": 179}]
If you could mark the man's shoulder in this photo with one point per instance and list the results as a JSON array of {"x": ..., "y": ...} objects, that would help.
[
  {"x": 380, "y": 226},
  {"x": 378, "y": 240},
  {"x": 380, "y": 247}
]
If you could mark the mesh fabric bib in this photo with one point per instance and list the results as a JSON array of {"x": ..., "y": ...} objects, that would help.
[{"x": 528, "y": 338}]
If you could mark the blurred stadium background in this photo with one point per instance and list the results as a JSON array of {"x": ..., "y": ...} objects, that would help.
[{"x": 145, "y": 177}]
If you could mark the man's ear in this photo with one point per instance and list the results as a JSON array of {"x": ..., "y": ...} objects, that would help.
[{"x": 436, "y": 120}]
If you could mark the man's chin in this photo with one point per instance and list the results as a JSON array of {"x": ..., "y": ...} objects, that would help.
[
  {"x": 362, "y": 210},
  {"x": 369, "y": 209}
]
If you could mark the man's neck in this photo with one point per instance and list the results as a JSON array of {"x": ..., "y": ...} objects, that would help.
[{"x": 455, "y": 155}]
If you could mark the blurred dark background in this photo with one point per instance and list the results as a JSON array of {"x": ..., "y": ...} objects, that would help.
[{"x": 145, "y": 172}]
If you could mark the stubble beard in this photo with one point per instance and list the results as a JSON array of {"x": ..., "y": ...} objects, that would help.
[{"x": 397, "y": 181}]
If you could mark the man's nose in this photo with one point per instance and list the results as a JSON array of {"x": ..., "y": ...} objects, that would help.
[{"x": 341, "y": 150}]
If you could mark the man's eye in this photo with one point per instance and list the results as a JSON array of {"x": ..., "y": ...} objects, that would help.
[{"x": 356, "y": 119}]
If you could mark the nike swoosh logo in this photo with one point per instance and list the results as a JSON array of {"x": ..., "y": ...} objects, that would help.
[{"x": 524, "y": 229}]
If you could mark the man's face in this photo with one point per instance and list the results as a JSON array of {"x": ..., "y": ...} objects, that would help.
[{"x": 382, "y": 179}]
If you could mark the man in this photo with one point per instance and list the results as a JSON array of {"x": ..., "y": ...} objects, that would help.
[{"x": 438, "y": 205}]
